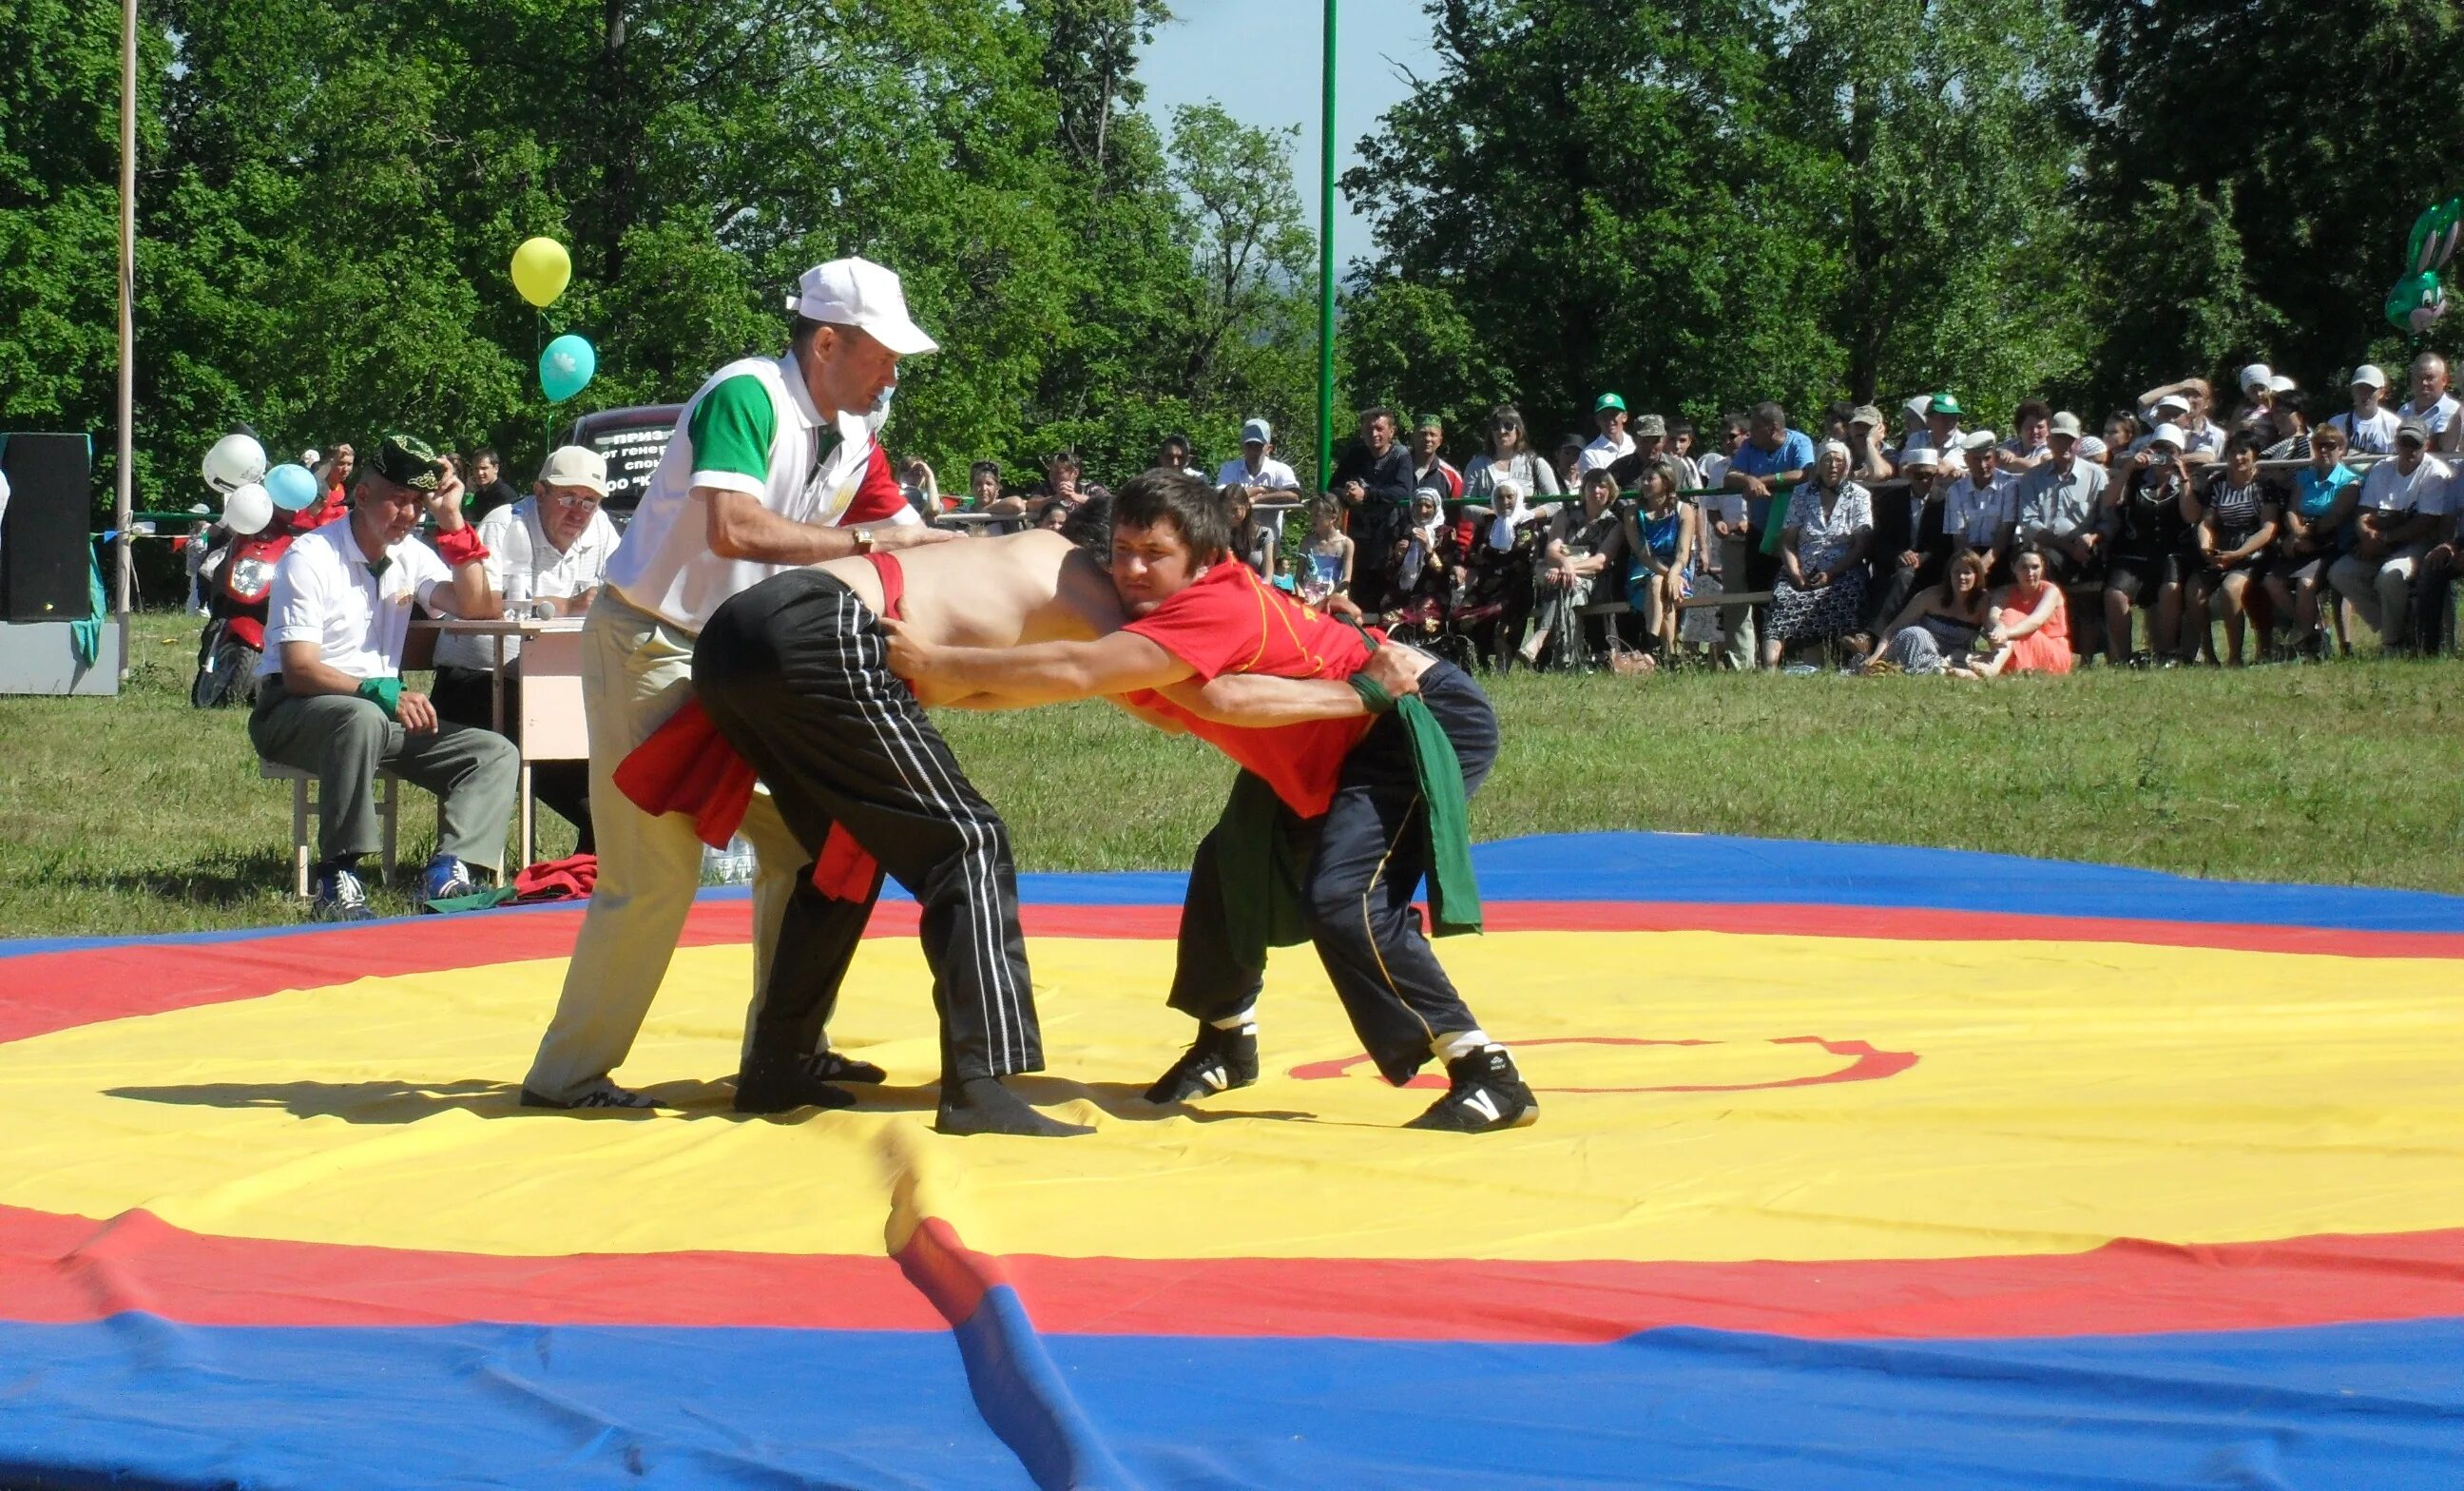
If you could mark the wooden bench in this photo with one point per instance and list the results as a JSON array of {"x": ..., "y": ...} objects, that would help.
[{"x": 304, "y": 802}]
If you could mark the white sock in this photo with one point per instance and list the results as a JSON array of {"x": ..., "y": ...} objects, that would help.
[
  {"x": 1454, "y": 1048},
  {"x": 1246, "y": 1022}
]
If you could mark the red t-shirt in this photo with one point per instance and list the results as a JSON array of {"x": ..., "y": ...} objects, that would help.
[{"x": 1231, "y": 621}]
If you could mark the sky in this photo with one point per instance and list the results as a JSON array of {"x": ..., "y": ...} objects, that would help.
[{"x": 1261, "y": 60}]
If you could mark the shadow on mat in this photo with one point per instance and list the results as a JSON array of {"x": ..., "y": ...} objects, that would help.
[
  {"x": 1123, "y": 1100},
  {"x": 407, "y": 1103}
]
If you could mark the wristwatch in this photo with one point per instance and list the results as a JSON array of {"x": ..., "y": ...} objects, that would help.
[{"x": 862, "y": 540}]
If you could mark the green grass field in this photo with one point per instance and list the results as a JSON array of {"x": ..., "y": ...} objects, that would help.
[{"x": 143, "y": 815}]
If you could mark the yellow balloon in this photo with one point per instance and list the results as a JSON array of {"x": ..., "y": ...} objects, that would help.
[{"x": 540, "y": 270}]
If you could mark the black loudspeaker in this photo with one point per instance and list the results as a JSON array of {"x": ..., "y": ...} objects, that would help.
[{"x": 43, "y": 535}]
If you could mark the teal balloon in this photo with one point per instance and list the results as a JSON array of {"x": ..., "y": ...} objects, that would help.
[
  {"x": 291, "y": 486},
  {"x": 566, "y": 366}
]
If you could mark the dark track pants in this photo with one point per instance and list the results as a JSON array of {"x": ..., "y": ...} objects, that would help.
[
  {"x": 1367, "y": 856},
  {"x": 794, "y": 673}
]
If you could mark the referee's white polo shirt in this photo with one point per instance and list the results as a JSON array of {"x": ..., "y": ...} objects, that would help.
[
  {"x": 752, "y": 428},
  {"x": 326, "y": 592}
]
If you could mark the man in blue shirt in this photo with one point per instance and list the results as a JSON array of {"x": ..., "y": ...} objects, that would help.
[{"x": 1774, "y": 458}]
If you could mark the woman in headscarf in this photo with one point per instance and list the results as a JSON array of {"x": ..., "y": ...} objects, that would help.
[{"x": 1821, "y": 588}]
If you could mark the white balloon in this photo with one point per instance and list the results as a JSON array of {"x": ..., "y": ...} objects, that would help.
[
  {"x": 234, "y": 462},
  {"x": 248, "y": 509}
]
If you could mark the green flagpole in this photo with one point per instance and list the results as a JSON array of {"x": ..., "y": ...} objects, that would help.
[{"x": 1325, "y": 270}]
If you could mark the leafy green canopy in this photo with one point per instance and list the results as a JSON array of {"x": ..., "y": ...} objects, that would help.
[{"x": 330, "y": 191}]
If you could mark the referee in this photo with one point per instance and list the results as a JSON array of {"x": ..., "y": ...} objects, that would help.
[{"x": 775, "y": 464}]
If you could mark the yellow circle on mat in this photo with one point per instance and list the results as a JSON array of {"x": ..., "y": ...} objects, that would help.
[{"x": 2063, "y": 1095}]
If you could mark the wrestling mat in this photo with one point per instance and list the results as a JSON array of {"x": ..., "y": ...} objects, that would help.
[{"x": 1857, "y": 1167}]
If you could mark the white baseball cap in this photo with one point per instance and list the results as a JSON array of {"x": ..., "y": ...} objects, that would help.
[
  {"x": 1921, "y": 455},
  {"x": 2168, "y": 433},
  {"x": 2173, "y": 401},
  {"x": 1977, "y": 440},
  {"x": 576, "y": 466},
  {"x": 2280, "y": 384},
  {"x": 2066, "y": 423},
  {"x": 1257, "y": 432},
  {"x": 2256, "y": 376},
  {"x": 858, "y": 292},
  {"x": 2371, "y": 373}
]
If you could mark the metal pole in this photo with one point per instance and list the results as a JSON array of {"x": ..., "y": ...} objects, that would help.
[
  {"x": 1325, "y": 270},
  {"x": 127, "y": 481}
]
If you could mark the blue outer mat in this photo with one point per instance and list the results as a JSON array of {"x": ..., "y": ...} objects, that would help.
[{"x": 135, "y": 1402}]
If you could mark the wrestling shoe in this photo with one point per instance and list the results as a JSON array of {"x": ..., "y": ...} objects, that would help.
[
  {"x": 1219, "y": 1061},
  {"x": 1487, "y": 1094},
  {"x": 443, "y": 878},
  {"x": 782, "y": 1086},
  {"x": 340, "y": 898},
  {"x": 601, "y": 1094},
  {"x": 828, "y": 1066}
]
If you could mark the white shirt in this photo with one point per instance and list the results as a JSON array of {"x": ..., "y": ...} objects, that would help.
[
  {"x": 1975, "y": 514},
  {"x": 517, "y": 542},
  {"x": 1923, "y": 435},
  {"x": 323, "y": 594},
  {"x": 2371, "y": 436},
  {"x": 1600, "y": 454},
  {"x": 665, "y": 565},
  {"x": 2390, "y": 491},
  {"x": 1728, "y": 508},
  {"x": 1270, "y": 473},
  {"x": 2437, "y": 417}
]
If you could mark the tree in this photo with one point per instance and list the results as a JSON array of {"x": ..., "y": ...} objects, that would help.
[
  {"x": 1636, "y": 222},
  {"x": 331, "y": 190},
  {"x": 1949, "y": 131},
  {"x": 2294, "y": 146}
]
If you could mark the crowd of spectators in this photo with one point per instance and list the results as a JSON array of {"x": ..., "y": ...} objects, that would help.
[{"x": 2172, "y": 532}]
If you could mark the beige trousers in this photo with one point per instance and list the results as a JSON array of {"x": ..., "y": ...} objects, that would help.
[{"x": 636, "y": 671}]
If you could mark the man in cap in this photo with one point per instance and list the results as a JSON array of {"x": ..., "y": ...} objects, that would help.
[
  {"x": 2060, "y": 510},
  {"x": 329, "y": 691},
  {"x": 2432, "y": 405},
  {"x": 2404, "y": 510},
  {"x": 774, "y": 465},
  {"x": 1256, "y": 467},
  {"x": 2370, "y": 426},
  {"x": 546, "y": 555},
  {"x": 1612, "y": 444},
  {"x": 1868, "y": 443},
  {"x": 1650, "y": 439},
  {"x": 1980, "y": 502},
  {"x": 1911, "y": 545},
  {"x": 1942, "y": 430},
  {"x": 1430, "y": 467}
]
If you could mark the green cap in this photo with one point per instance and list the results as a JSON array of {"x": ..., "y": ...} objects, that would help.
[
  {"x": 1944, "y": 404},
  {"x": 1431, "y": 422},
  {"x": 407, "y": 461},
  {"x": 1608, "y": 401}
]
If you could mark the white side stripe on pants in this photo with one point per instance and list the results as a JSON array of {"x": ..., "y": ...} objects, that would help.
[{"x": 923, "y": 776}]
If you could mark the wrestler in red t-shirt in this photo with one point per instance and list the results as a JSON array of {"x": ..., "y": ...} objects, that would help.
[
  {"x": 1231, "y": 621},
  {"x": 1200, "y": 620}
]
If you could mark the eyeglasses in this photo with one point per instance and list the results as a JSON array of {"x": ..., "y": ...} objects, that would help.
[{"x": 569, "y": 504}]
